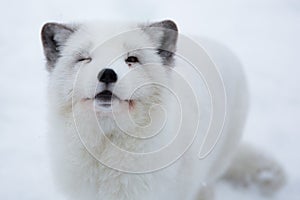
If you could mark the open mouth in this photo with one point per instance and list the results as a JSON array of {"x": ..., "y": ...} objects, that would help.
[
  {"x": 105, "y": 95},
  {"x": 106, "y": 98}
]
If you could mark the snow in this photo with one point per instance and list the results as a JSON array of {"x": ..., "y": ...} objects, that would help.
[{"x": 264, "y": 34}]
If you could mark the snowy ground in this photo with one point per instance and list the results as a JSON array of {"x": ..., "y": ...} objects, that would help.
[{"x": 264, "y": 33}]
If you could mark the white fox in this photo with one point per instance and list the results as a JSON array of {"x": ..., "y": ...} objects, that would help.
[{"x": 93, "y": 102}]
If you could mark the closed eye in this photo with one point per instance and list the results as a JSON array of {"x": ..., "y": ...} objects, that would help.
[
  {"x": 132, "y": 59},
  {"x": 86, "y": 59}
]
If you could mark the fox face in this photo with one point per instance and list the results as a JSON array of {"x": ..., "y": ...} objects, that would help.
[{"x": 108, "y": 70}]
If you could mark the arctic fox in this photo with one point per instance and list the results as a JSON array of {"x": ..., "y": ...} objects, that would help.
[{"x": 114, "y": 116}]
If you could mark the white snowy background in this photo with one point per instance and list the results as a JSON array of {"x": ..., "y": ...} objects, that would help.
[{"x": 263, "y": 33}]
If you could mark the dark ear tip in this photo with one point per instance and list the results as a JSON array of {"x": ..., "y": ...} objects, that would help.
[
  {"x": 52, "y": 26},
  {"x": 54, "y": 35},
  {"x": 46, "y": 27},
  {"x": 170, "y": 24}
]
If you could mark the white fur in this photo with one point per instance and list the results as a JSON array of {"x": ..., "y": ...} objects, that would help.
[{"x": 78, "y": 174}]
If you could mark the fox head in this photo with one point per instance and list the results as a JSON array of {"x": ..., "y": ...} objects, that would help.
[{"x": 109, "y": 70}]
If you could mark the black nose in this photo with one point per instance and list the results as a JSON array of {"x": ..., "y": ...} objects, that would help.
[{"x": 107, "y": 76}]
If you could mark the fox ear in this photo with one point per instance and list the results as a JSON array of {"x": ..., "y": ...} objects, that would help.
[
  {"x": 53, "y": 36},
  {"x": 166, "y": 32}
]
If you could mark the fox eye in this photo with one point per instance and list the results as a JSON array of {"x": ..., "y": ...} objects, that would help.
[
  {"x": 86, "y": 59},
  {"x": 132, "y": 59}
]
